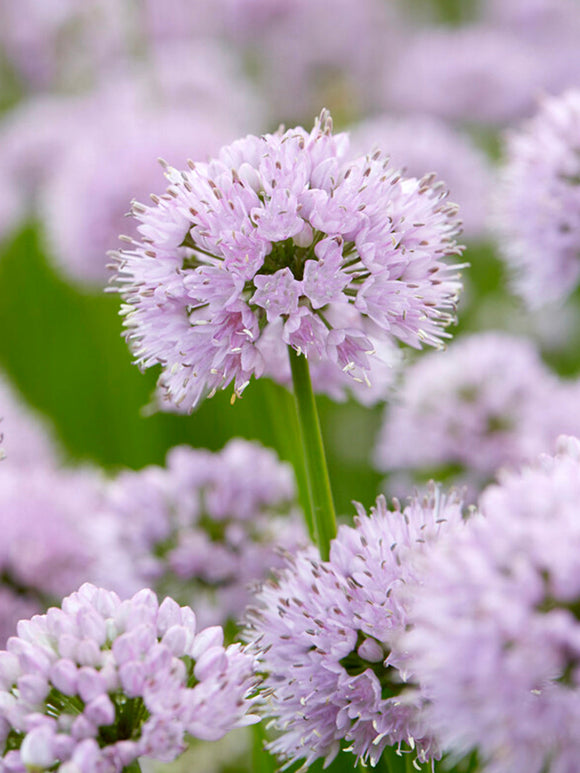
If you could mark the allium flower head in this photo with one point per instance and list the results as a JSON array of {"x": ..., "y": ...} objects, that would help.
[
  {"x": 282, "y": 230},
  {"x": 489, "y": 402},
  {"x": 328, "y": 631},
  {"x": 538, "y": 202},
  {"x": 208, "y": 525},
  {"x": 98, "y": 683},
  {"x": 495, "y": 623}
]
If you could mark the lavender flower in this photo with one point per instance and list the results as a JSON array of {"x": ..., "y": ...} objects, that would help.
[
  {"x": 207, "y": 525},
  {"x": 538, "y": 202},
  {"x": 100, "y": 682},
  {"x": 31, "y": 138},
  {"x": 489, "y": 402},
  {"x": 59, "y": 157},
  {"x": 550, "y": 28},
  {"x": 280, "y": 229},
  {"x": 495, "y": 627},
  {"x": 327, "y": 631}
]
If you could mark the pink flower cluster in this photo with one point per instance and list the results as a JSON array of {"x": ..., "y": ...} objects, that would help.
[
  {"x": 538, "y": 202},
  {"x": 495, "y": 613},
  {"x": 207, "y": 525},
  {"x": 489, "y": 402},
  {"x": 328, "y": 630},
  {"x": 100, "y": 682},
  {"x": 281, "y": 234}
]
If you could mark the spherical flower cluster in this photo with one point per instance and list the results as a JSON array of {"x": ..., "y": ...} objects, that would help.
[
  {"x": 495, "y": 620},
  {"x": 207, "y": 525},
  {"x": 538, "y": 202},
  {"x": 281, "y": 230},
  {"x": 327, "y": 633},
  {"x": 489, "y": 402},
  {"x": 100, "y": 682},
  {"x": 550, "y": 28},
  {"x": 421, "y": 144}
]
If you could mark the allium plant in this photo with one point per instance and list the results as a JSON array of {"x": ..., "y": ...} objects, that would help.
[
  {"x": 208, "y": 525},
  {"x": 331, "y": 68},
  {"x": 489, "y": 402},
  {"x": 328, "y": 630},
  {"x": 100, "y": 682},
  {"x": 538, "y": 202},
  {"x": 495, "y": 623},
  {"x": 282, "y": 230}
]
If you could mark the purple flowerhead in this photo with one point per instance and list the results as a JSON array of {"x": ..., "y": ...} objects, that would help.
[
  {"x": 538, "y": 202},
  {"x": 495, "y": 623},
  {"x": 98, "y": 683},
  {"x": 207, "y": 525},
  {"x": 328, "y": 631},
  {"x": 282, "y": 231},
  {"x": 489, "y": 402}
]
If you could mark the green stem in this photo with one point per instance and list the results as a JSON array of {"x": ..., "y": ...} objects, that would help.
[
  {"x": 390, "y": 761},
  {"x": 133, "y": 767},
  {"x": 323, "y": 515},
  {"x": 409, "y": 767},
  {"x": 262, "y": 761},
  {"x": 284, "y": 423}
]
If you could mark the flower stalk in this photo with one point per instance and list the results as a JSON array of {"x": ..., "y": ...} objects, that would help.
[
  {"x": 133, "y": 767},
  {"x": 322, "y": 506}
]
